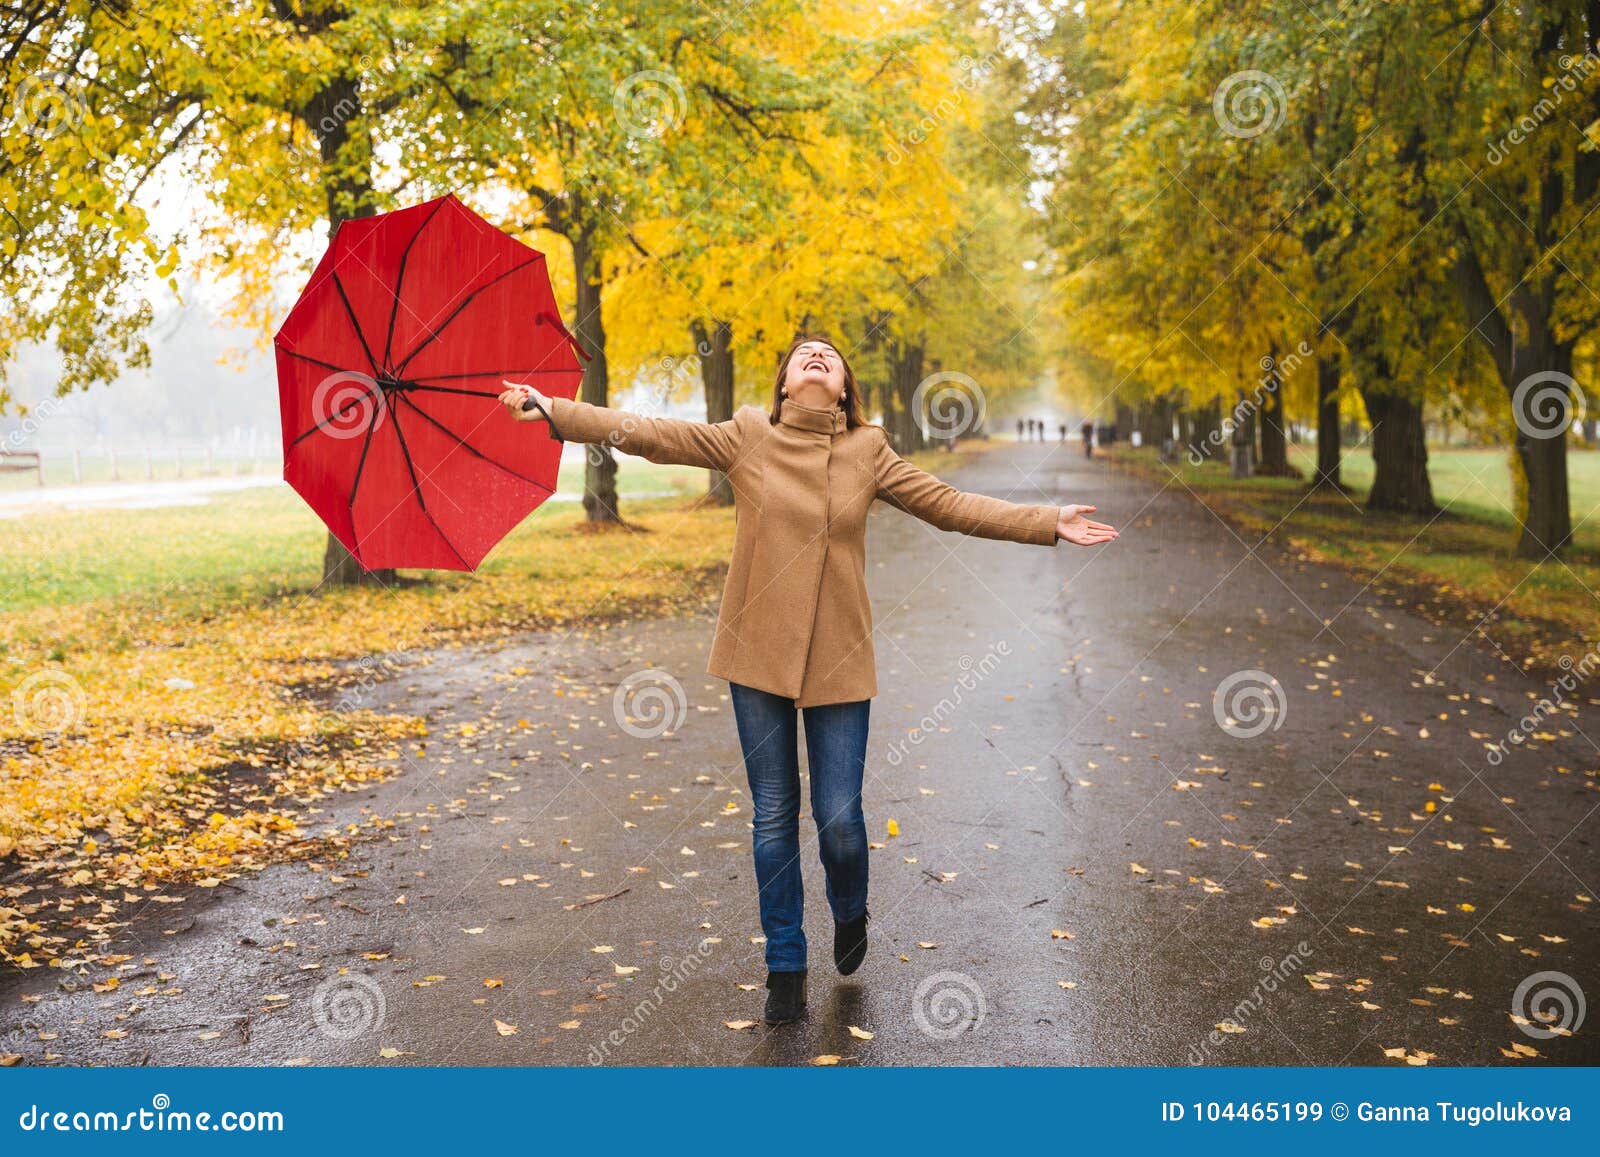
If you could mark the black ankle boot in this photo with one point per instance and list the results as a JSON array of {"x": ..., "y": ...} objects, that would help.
[
  {"x": 850, "y": 943},
  {"x": 786, "y": 997}
]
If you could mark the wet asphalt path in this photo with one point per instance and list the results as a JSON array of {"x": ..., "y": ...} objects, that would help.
[{"x": 1089, "y": 867}]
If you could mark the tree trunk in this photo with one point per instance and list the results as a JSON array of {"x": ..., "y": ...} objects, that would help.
[
  {"x": 600, "y": 462},
  {"x": 1203, "y": 438},
  {"x": 905, "y": 374},
  {"x": 334, "y": 115},
  {"x": 1329, "y": 468},
  {"x": 1123, "y": 427},
  {"x": 1544, "y": 412},
  {"x": 1274, "y": 444},
  {"x": 1399, "y": 455},
  {"x": 1155, "y": 421},
  {"x": 715, "y": 350},
  {"x": 1535, "y": 371}
]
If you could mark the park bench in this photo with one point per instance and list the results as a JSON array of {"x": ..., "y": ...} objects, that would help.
[{"x": 17, "y": 461}]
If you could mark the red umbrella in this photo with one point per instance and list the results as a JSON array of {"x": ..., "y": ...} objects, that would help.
[{"x": 389, "y": 366}]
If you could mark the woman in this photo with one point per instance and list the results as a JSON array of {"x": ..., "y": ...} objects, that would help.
[{"x": 794, "y": 631}]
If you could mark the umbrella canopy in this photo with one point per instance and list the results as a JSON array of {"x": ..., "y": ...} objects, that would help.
[{"x": 389, "y": 366}]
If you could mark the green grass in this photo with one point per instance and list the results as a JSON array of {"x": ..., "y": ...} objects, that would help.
[
  {"x": 96, "y": 470},
  {"x": 1477, "y": 484},
  {"x": 1456, "y": 568},
  {"x": 109, "y": 607},
  {"x": 636, "y": 474},
  {"x": 242, "y": 545},
  {"x": 253, "y": 544}
]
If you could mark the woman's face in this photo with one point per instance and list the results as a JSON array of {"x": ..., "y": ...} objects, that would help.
[{"x": 815, "y": 375}]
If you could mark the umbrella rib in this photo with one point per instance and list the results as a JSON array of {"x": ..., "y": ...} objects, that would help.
[
  {"x": 470, "y": 448},
  {"x": 333, "y": 417},
  {"x": 434, "y": 334},
  {"x": 312, "y": 360},
  {"x": 450, "y": 390},
  {"x": 400, "y": 279},
  {"x": 361, "y": 464},
  {"x": 354, "y": 324},
  {"x": 496, "y": 374},
  {"x": 416, "y": 489}
]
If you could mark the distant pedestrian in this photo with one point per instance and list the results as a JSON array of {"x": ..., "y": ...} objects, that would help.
[{"x": 1087, "y": 430}]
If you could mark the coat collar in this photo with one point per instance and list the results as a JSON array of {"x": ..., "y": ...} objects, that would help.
[{"x": 829, "y": 421}]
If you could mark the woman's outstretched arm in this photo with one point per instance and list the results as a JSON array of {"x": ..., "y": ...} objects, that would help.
[
  {"x": 939, "y": 504},
  {"x": 673, "y": 441}
]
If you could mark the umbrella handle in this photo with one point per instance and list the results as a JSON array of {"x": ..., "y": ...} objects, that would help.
[{"x": 533, "y": 404}]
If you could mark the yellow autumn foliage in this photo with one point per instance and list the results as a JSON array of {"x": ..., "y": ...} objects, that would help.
[{"x": 159, "y": 740}]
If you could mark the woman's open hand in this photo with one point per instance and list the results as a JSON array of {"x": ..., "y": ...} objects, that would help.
[
  {"x": 516, "y": 394},
  {"x": 1075, "y": 528}
]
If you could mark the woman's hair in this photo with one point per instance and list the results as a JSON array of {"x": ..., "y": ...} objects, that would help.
[{"x": 851, "y": 403}]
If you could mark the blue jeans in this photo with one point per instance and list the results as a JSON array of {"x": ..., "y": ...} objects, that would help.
[{"x": 836, "y": 748}]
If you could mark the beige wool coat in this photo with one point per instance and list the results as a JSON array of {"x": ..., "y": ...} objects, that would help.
[{"x": 795, "y": 619}]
